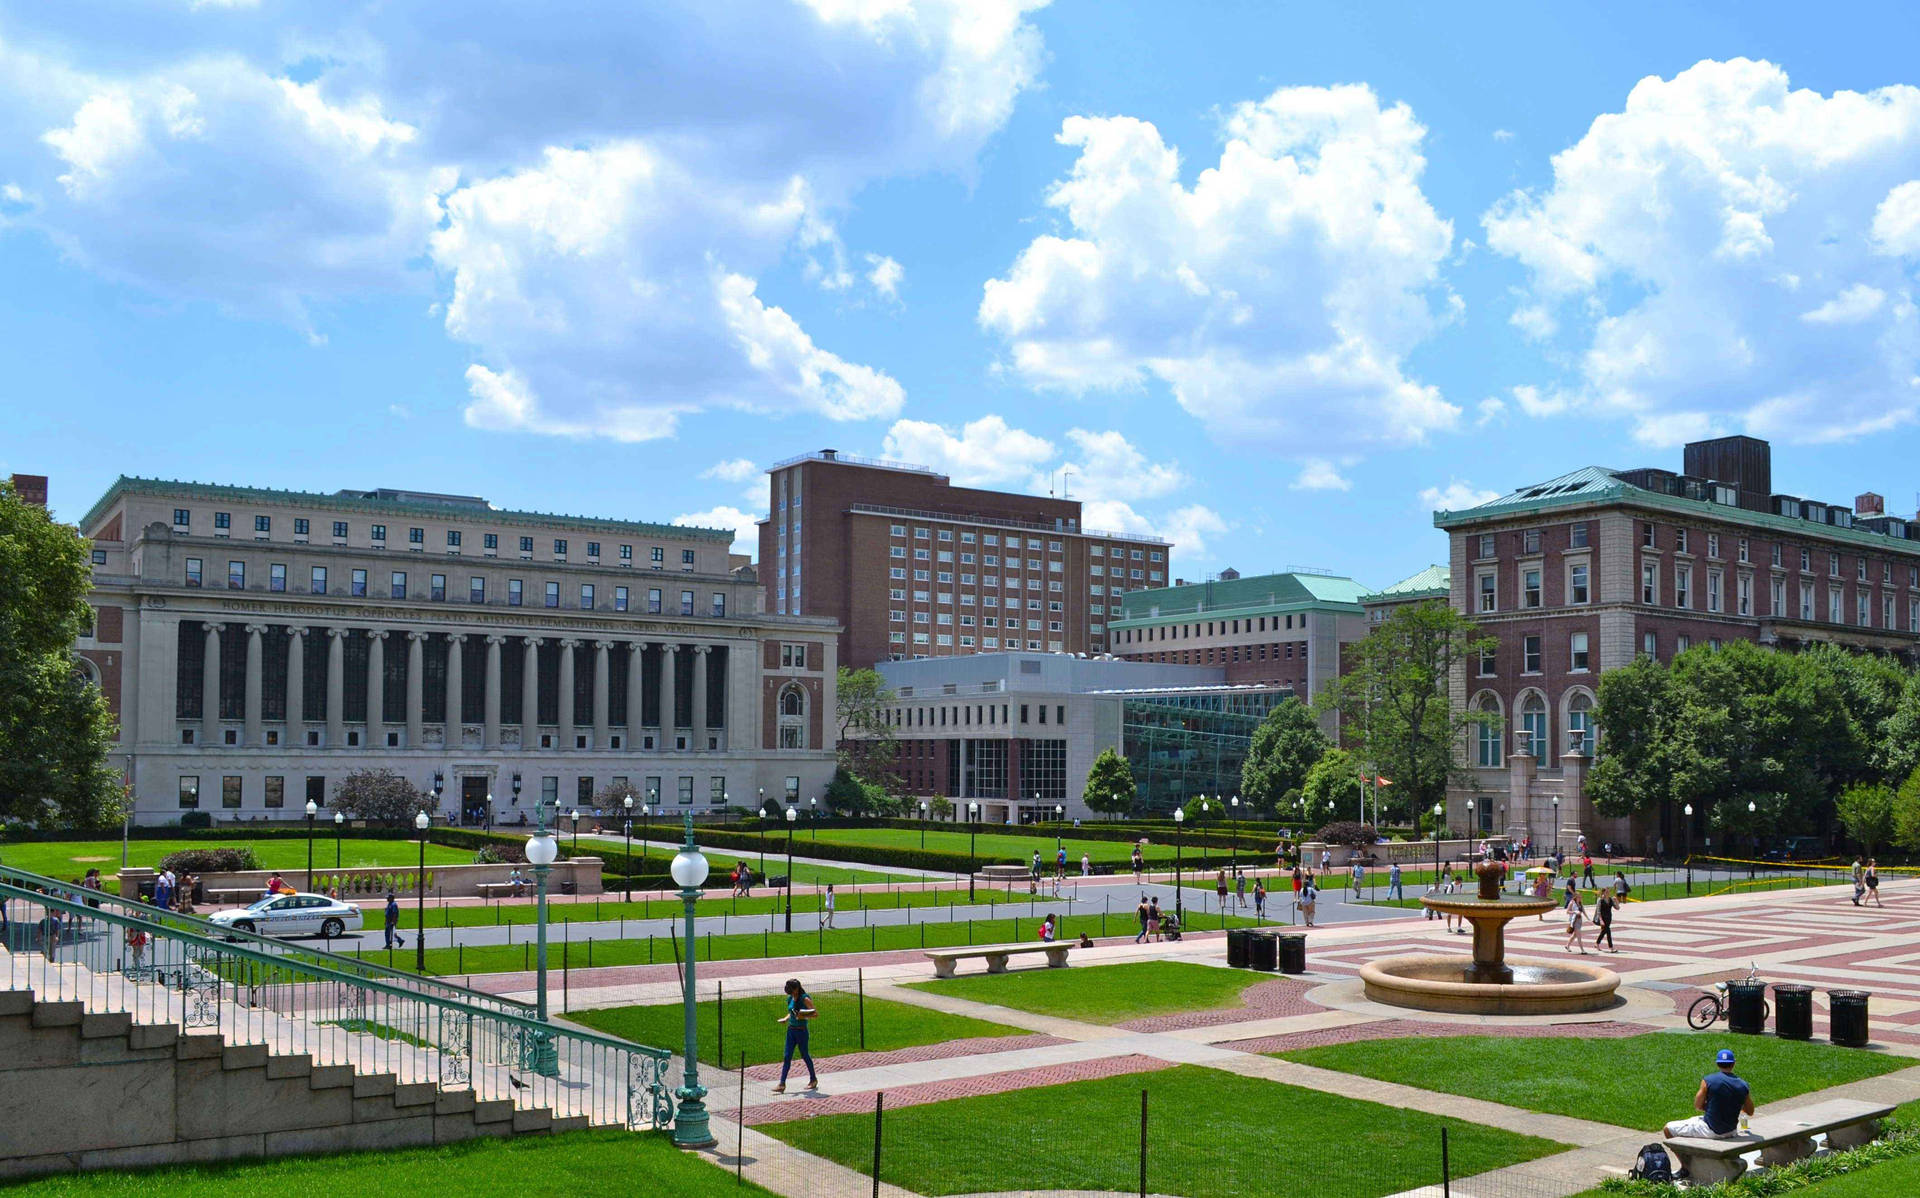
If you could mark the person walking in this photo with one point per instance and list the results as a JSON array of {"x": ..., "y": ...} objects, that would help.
[
  {"x": 1359, "y": 877},
  {"x": 1873, "y": 881},
  {"x": 1239, "y": 888},
  {"x": 1859, "y": 881},
  {"x": 1220, "y": 890},
  {"x": 1048, "y": 930},
  {"x": 1576, "y": 919},
  {"x": 1586, "y": 874},
  {"x": 393, "y": 922},
  {"x": 1259, "y": 899},
  {"x": 1603, "y": 908},
  {"x": 1086, "y": 865},
  {"x": 1326, "y": 860},
  {"x": 1393, "y": 884},
  {"x": 1137, "y": 861},
  {"x": 1141, "y": 913},
  {"x": 1060, "y": 861},
  {"x": 1153, "y": 918},
  {"x": 1620, "y": 887},
  {"x": 800, "y": 1014},
  {"x": 826, "y": 907},
  {"x": 1309, "y": 897}
]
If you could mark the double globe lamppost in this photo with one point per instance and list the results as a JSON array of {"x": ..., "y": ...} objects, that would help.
[{"x": 689, "y": 871}]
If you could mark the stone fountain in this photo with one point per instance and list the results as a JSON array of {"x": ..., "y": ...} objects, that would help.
[{"x": 1488, "y": 985}]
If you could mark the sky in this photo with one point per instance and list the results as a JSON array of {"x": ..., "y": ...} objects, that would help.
[{"x": 1273, "y": 281}]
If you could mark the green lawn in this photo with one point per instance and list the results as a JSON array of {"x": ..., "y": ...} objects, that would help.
[
  {"x": 587, "y": 1164},
  {"x": 773, "y": 861},
  {"x": 1210, "y": 1134},
  {"x": 1639, "y": 1081},
  {"x": 750, "y": 1027},
  {"x": 1104, "y": 993},
  {"x": 585, "y": 953},
  {"x": 69, "y": 859},
  {"x": 990, "y": 847},
  {"x": 717, "y": 903}
]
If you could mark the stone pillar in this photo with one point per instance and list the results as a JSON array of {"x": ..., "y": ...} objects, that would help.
[
  {"x": 601, "y": 658},
  {"x": 210, "y": 686},
  {"x": 726, "y": 695},
  {"x": 252, "y": 737},
  {"x": 296, "y": 686},
  {"x": 565, "y": 738},
  {"x": 376, "y": 687},
  {"x": 636, "y": 693},
  {"x": 336, "y": 688},
  {"x": 697, "y": 719},
  {"x": 492, "y": 713},
  {"x": 456, "y": 683},
  {"x": 416, "y": 687},
  {"x": 530, "y": 695},
  {"x": 1573, "y": 770},
  {"x": 666, "y": 695},
  {"x": 1520, "y": 799}
]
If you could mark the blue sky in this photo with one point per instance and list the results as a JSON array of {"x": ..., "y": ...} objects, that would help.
[{"x": 1271, "y": 280}]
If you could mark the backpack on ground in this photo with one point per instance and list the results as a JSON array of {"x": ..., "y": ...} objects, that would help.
[{"x": 1653, "y": 1165}]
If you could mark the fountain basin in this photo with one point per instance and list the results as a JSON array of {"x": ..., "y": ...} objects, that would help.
[{"x": 1433, "y": 982}]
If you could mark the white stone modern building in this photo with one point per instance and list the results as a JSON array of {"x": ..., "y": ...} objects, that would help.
[{"x": 258, "y": 645}]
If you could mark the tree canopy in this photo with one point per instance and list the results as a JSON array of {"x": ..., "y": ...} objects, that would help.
[
  {"x": 379, "y": 796},
  {"x": 866, "y": 746},
  {"x": 1285, "y": 746},
  {"x": 1110, "y": 789},
  {"x": 1333, "y": 787}
]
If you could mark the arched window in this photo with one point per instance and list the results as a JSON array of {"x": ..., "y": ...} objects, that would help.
[
  {"x": 793, "y": 702},
  {"x": 1533, "y": 721},
  {"x": 1580, "y": 723},
  {"x": 793, "y": 717},
  {"x": 1489, "y": 752}
]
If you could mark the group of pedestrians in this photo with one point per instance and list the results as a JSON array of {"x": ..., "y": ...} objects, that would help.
[
  {"x": 1155, "y": 924},
  {"x": 1866, "y": 882}
]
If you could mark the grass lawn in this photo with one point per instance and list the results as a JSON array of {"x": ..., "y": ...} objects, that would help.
[
  {"x": 718, "y": 903},
  {"x": 587, "y": 1164},
  {"x": 1210, "y": 1135},
  {"x": 581, "y": 953},
  {"x": 658, "y": 855},
  {"x": 991, "y": 847},
  {"x": 1104, "y": 993},
  {"x": 1639, "y": 1082},
  {"x": 750, "y": 1027},
  {"x": 69, "y": 859}
]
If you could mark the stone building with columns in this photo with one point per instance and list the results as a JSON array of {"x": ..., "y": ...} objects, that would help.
[{"x": 258, "y": 645}]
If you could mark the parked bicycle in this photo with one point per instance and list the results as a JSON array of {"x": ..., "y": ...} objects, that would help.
[{"x": 1712, "y": 1007}]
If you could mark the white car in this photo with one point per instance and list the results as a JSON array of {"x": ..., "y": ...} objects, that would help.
[{"x": 292, "y": 915}]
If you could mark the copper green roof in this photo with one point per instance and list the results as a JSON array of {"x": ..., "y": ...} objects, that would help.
[
  {"x": 1434, "y": 582},
  {"x": 1256, "y": 594},
  {"x": 350, "y": 502}
]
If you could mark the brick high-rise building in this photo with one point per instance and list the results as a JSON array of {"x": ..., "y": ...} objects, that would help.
[{"x": 913, "y": 566}]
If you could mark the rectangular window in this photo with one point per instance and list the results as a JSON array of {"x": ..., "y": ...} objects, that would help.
[
  {"x": 1683, "y": 586},
  {"x": 1650, "y": 645},
  {"x": 317, "y": 789},
  {"x": 1833, "y": 605},
  {"x": 526, "y": 544},
  {"x": 223, "y": 520},
  {"x": 277, "y": 576},
  {"x": 1530, "y": 654},
  {"x": 1578, "y": 656},
  {"x": 619, "y": 598},
  {"x": 1577, "y": 536},
  {"x": 1530, "y": 541},
  {"x": 1488, "y": 658},
  {"x": 1777, "y": 555},
  {"x": 1779, "y": 604},
  {"x": 1743, "y": 550},
  {"x": 182, "y": 517},
  {"x": 397, "y": 585},
  {"x": 686, "y": 792},
  {"x": 586, "y": 596},
  {"x": 236, "y": 576},
  {"x": 189, "y": 791},
  {"x": 1530, "y": 588},
  {"x": 559, "y": 547},
  {"x": 317, "y": 583},
  {"x": 553, "y": 594},
  {"x": 1806, "y": 602},
  {"x": 1713, "y": 590},
  {"x": 476, "y": 589},
  {"x": 263, "y": 524},
  {"x": 1806, "y": 560},
  {"x": 686, "y": 558},
  {"x": 653, "y": 601},
  {"x": 358, "y": 583},
  {"x": 1577, "y": 588},
  {"x": 1713, "y": 544},
  {"x": 276, "y": 791},
  {"x": 453, "y": 539},
  {"x": 416, "y": 536},
  {"x": 1680, "y": 540},
  {"x": 193, "y": 571},
  {"x": 686, "y": 603},
  {"x": 230, "y": 792},
  {"x": 1861, "y": 616},
  {"x": 1646, "y": 536},
  {"x": 1649, "y": 583},
  {"x": 1743, "y": 595},
  {"x": 719, "y": 608},
  {"x": 378, "y": 532},
  {"x": 658, "y": 556},
  {"x": 437, "y": 587},
  {"x": 593, "y": 549},
  {"x": 490, "y": 541},
  {"x": 1486, "y": 545}
]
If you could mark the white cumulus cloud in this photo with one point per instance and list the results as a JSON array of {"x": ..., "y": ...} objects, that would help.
[
  {"x": 732, "y": 470},
  {"x": 1456, "y": 496},
  {"x": 983, "y": 452},
  {"x": 745, "y": 526},
  {"x": 884, "y": 276},
  {"x": 1318, "y": 474},
  {"x": 1727, "y": 252},
  {"x": 1277, "y": 297}
]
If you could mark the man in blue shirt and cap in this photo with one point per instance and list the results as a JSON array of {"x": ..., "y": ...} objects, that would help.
[{"x": 1722, "y": 1099}]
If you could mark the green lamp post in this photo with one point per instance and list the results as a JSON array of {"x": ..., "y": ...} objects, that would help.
[
  {"x": 689, "y": 870},
  {"x": 1179, "y": 910},
  {"x": 543, "y": 1056}
]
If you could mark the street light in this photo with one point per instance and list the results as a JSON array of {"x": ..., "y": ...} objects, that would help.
[
  {"x": 1439, "y": 809},
  {"x": 689, "y": 870},
  {"x": 973, "y": 829},
  {"x": 813, "y": 808},
  {"x": 1059, "y": 817},
  {"x": 1752, "y": 869},
  {"x": 760, "y": 814},
  {"x": 576, "y": 831},
  {"x": 1688, "y": 827},
  {"x": 339, "y": 829},
  {"x": 1556, "y": 824},
  {"x": 541, "y": 852},
  {"x": 1234, "y": 807},
  {"x": 312, "y": 810},
  {"x": 792, "y": 815},
  {"x": 923, "y": 824},
  {"x": 421, "y": 822},
  {"x": 627, "y": 823},
  {"x": 1179, "y": 817}
]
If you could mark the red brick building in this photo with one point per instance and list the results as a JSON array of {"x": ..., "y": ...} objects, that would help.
[{"x": 913, "y": 566}]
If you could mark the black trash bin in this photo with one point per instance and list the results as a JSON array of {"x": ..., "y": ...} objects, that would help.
[
  {"x": 1747, "y": 1007},
  {"x": 1793, "y": 1011},
  {"x": 1293, "y": 951},
  {"x": 1237, "y": 947},
  {"x": 1263, "y": 951},
  {"x": 1848, "y": 1010}
]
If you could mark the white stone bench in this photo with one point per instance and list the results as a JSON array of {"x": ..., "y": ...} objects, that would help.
[
  {"x": 492, "y": 890},
  {"x": 944, "y": 959},
  {"x": 1781, "y": 1138}
]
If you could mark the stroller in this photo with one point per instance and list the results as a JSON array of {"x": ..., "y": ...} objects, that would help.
[{"x": 1170, "y": 926}]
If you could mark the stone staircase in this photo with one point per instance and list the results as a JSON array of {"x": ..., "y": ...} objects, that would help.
[{"x": 82, "y": 1089}]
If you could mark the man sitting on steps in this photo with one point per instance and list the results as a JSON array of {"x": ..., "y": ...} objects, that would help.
[{"x": 1723, "y": 1097}]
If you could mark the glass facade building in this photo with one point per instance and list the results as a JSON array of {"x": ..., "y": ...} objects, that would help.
[{"x": 1179, "y": 750}]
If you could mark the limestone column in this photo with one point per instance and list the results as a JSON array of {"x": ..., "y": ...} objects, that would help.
[
  {"x": 416, "y": 687},
  {"x": 492, "y": 712},
  {"x": 530, "y": 695},
  {"x": 565, "y": 739},
  {"x": 726, "y": 696},
  {"x": 252, "y": 738},
  {"x": 698, "y": 718},
  {"x": 376, "y": 686},
  {"x": 210, "y": 686},
  {"x": 666, "y": 695},
  {"x": 636, "y": 693},
  {"x": 454, "y": 715},
  {"x": 296, "y": 686},
  {"x": 336, "y": 688},
  {"x": 600, "y": 666}
]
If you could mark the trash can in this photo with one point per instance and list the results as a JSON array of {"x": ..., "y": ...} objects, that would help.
[
  {"x": 1263, "y": 951},
  {"x": 1747, "y": 1007},
  {"x": 1293, "y": 951},
  {"x": 1848, "y": 1011},
  {"x": 1793, "y": 1011},
  {"x": 1237, "y": 947}
]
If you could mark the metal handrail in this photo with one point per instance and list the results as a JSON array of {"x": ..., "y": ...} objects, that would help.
[
  {"x": 264, "y": 943},
  {"x": 148, "y": 966}
]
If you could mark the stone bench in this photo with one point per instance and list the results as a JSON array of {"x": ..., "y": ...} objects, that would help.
[
  {"x": 944, "y": 959},
  {"x": 494, "y": 890},
  {"x": 1781, "y": 1138},
  {"x": 1005, "y": 873}
]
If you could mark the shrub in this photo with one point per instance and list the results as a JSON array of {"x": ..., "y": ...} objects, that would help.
[
  {"x": 1345, "y": 831},
  {"x": 197, "y": 819},
  {"x": 210, "y": 861},
  {"x": 502, "y": 853}
]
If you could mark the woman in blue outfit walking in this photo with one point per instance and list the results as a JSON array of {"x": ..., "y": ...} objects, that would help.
[{"x": 800, "y": 1013}]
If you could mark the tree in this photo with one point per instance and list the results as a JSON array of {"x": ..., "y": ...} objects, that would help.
[
  {"x": 55, "y": 728},
  {"x": 867, "y": 746},
  {"x": 1110, "y": 788},
  {"x": 851, "y": 795},
  {"x": 1333, "y": 786},
  {"x": 940, "y": 807},
  {"x": 1866, "y": 810},
  {"x": 1285, "y": 746},
  {"x": 613, "y": 797},
  {"x": 379, "y": 796},
  {"x": 1906, "y": 812},
  {"x": 1393, "y": 703}
]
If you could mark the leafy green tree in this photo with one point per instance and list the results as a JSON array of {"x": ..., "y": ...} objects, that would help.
[
  {"x": 848, "y": 794},
  {"x": 1634, "y": 709},
  {"x": 940, "y": 807},
  {"x": 379, "y": 797},
  {"x": 1866, "y": 811},
  {"x": 55, "y": 728},
  {"x": 1906, "y": 812},
  {"x": 1285, "y": 746},
  {"x": 867, "y": 746},
  {"x": 1393, "y": 700},
  {"x": 1110, "y": 788},
  {"x": 1334, "y": 786}
]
